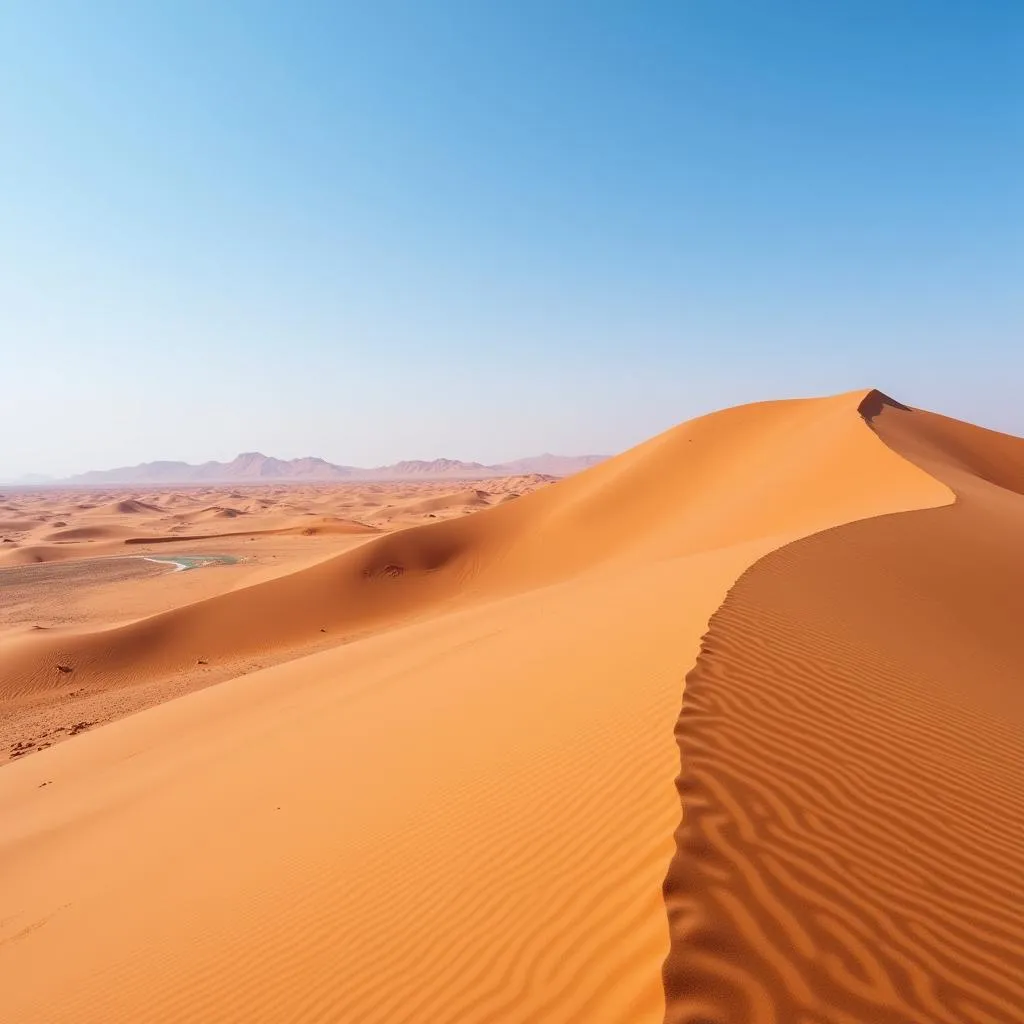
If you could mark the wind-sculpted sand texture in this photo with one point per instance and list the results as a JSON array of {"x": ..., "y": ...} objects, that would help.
[
  {"x": 852, "y": 736},
  {"x": 465, "y": 814}
]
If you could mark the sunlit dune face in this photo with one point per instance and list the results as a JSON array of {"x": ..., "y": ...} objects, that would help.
[{"x": 725, "y": 728}]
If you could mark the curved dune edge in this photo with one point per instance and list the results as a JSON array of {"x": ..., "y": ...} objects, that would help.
[
  {"x": 464, "y": 817},
  {"x": 851, "y": 740}
]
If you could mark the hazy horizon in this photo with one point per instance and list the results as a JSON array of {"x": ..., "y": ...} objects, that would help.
[
  {"x": 410, "y": 233},
  {"x": 535, "y": 457},
  {"x": 31, "y": 475}
]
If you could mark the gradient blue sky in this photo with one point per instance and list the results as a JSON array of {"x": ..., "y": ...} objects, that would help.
[{"x": 478, "y": 230}]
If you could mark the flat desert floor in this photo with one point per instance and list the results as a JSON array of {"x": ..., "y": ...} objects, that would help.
[{"x": 729, "y": 728}]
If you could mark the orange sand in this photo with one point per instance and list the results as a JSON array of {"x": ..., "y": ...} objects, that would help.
[
  {"x": 853, "y": 828},
  {"x": 464, "y": 811},
  {"x": 72, "y": 568}
]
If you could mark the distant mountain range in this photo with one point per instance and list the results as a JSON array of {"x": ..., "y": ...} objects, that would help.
[{"x": 254, "y": 466}]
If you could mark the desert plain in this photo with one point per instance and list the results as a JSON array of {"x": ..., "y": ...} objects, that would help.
[{"x": 727, "y": 728}]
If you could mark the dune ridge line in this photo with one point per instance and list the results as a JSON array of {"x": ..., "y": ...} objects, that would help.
[{"x": 852, "y": 813}]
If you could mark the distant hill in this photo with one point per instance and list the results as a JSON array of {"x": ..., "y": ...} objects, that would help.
[
  {"x": 415, "y": 468},
  {"x": 256, "y": 467},
  {"x": 247, "y": 466},
  {"x": 550, "y": 465}
]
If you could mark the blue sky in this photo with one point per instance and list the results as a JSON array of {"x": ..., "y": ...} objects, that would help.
[{"x": 479, "y": 230}]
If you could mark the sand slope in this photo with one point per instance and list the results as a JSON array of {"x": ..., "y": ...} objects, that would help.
[
  {"x": 72, "y": 565},
  {"x": 464, "y": 816},
  {"x": 852, "y": 739},
  {"x": 724, "y": 479}
]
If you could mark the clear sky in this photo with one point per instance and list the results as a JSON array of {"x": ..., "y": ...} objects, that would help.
[{"x": 479, "y": 230}]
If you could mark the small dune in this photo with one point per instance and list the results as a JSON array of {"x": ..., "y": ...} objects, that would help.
[
  {"x": 17, "y": 525},
  {"x": 467, "y": 498},
  {"x": 87, "y": 533},
  {"x": 33, "y": 554},
  {"x": 129, "y": 506},
  {"x": 214, "y": 512}
]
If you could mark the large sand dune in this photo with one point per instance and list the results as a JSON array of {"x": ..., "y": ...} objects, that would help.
[
  {"x": 852, "y": 737},
  {"x": 467, "y": 813},
  {"x": 674, "y": 496}
]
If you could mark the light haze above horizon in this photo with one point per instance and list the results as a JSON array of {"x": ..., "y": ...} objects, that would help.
[{"x": 401, "y": 230}]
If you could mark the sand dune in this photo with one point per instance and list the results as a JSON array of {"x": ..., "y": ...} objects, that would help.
[
  {"x": 114, "y": 532},
  {"x": 851, "y": 743},
  {"x": 30, "y": 554},
  {"x": 469, "y": 496},
  {"x": 17, "y": 525},
  {"x": 411, "y": 510},
  {"x": 131, "y": 507},
  {"x": 466, "y": 813},
  {"x": 671, "y": 497},
  {"x": 212, "y": 512}
]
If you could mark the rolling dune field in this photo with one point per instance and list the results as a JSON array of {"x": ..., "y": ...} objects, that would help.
[{"x": 726, "y": 728}]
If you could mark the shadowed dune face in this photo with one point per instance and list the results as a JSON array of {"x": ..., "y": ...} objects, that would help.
[
  {"x": 959, "y": 454},
  {"x": 851, "y": 741}
]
